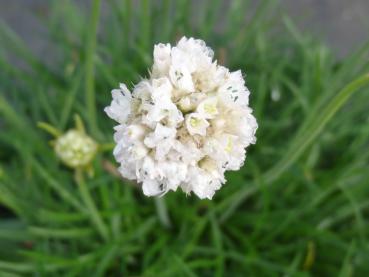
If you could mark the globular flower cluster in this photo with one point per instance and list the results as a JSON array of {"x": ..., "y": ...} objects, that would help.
[
  {"x": 185, "y": 125},
  {"x": 75, "y": 149}
]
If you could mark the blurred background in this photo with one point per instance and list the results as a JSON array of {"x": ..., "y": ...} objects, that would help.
[
  {"x": 299, "y": 206},
  {"x": 342, "y": 24}
]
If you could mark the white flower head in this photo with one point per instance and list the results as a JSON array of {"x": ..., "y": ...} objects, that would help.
[{"x": 185, "y": 125}]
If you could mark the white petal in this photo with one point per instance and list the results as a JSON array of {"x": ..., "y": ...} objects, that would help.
[
  {"x": 162, "y": 90},
  {"x": 161, "y": 59},
  {"x": 208, "y": 107},
  {"x": 152, "y": 187},
  {"x": 120, "y": 107},
  {"x": 181, "y": 78},
  {"x": 196, "y": 124}
]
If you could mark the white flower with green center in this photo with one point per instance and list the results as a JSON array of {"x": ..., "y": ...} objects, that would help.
[
  {"x": 196, "y": 124},
  {"x": 185, "y": 125},
  {"x": 208, "y": 107}
]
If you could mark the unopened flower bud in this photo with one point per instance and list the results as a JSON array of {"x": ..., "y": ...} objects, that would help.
[{"x": 75, "y": 149}]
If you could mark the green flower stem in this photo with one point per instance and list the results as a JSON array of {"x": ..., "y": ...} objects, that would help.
[
  {"x": 49, "y": 128},
  {"x": 106, "y": 147},
  {"x": 91, "y": 207},
  {"x": 161, "y": 209},
  {"x": 64, "y": 193},
  {"x": 89, "y": 67},
  {"x": 298, "y": 146}
]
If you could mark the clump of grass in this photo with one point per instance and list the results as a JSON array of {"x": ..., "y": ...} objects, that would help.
[{"x": 298, "y": 208}]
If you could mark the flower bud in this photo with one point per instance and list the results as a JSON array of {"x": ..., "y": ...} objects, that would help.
[{"x": 75, "y": 149}]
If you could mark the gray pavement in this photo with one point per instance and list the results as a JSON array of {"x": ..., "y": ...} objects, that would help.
[{"x": 342, "y": 24}]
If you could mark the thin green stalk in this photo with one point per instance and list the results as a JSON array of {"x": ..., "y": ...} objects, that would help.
[
  {"x": 64, "y": 193},
  {"x": 52, "y": 263},
  {"x": 89, "y": 66},
  {"x": 8, "y": 274},
  {"x": 91, "y": 207},
  {"x": 72, "y": 233},
  {"x": 145, "y": 24},
  {"x": 315, "y": 128},
  {"x": 107, "y": 259},
  {"x": 49, "y": 128},
  {"x": 69, "y": 101},
  {"x": 342, "y": 215},
  {"x": 161, "y": 209},
  {"x": 297, "y": 149},
  {"x": 14, "y": 117},
  {"x": 106, "y": 147},
  {"x": 218, "y": 244},
  {"x": 127, "y": 22}
]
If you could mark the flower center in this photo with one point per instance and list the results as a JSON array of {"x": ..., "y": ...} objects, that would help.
[
  {"x": 195, "y": 122},
  {"x": 229, "y": 145}
]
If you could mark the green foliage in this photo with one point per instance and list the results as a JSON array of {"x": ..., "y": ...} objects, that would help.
[{"x": 298, "y": 208}]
